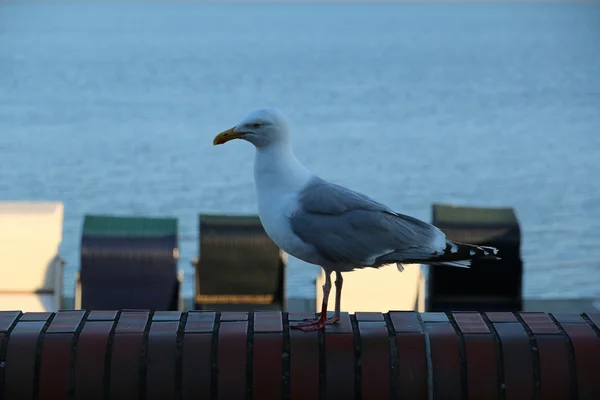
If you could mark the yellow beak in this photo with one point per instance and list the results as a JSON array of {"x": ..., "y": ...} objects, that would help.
[{"x": 226, "y": 136}]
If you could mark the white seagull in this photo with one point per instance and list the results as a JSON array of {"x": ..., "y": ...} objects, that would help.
[{"x": 329, "y": 225}]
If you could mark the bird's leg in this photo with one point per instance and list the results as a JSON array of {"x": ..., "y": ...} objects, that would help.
[
  {"x": 322, "y": 320},
  {"x": 339, "y": 281}
]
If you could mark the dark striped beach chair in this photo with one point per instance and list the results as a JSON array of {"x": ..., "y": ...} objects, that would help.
[
  {"x": 129, "y": 263},
  {"x": 489, "y": 285},
  {"x": 239, "y": 267}
]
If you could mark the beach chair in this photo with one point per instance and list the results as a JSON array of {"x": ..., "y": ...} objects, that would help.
[
  {"x": 239, "y": 267},
  {"x": 129, "y": 263},
  {"x": 31, "y": 269},
  {"x": 489, "y": 285}
]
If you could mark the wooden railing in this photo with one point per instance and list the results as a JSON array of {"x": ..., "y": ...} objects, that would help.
[{"x": 133, "y": 354}]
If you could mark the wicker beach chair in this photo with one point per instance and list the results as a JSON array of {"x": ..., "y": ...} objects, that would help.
[
  {"x": 239, "y": 267},
  {"x": 489, "y": 285},
  {"x": 129, "y": 263}
]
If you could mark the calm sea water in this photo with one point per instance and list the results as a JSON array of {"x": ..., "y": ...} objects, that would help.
[{"x": 112, "y": 107}]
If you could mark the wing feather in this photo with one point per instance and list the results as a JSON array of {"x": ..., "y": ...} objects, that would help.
[{"x": 347, "y": 227}]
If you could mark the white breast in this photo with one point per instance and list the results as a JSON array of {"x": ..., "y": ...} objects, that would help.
[
  {"x": 275, "y": 210},
  {"x": 278, "y": 181}
]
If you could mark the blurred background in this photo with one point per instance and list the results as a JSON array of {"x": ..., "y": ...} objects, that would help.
[{"x": 111, "y": 107}]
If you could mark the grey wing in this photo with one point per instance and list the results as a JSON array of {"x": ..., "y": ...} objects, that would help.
[{"x": 346, "y": 227}]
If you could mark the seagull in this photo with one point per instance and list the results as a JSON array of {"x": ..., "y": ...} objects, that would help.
[{"x": 329, "y": 225}]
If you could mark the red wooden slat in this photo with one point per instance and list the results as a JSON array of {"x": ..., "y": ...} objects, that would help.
[
  {"x": 445, "y": 358},
  {"x": 517, "y": 360},
  {"x": 299, "y": 316},
  {"x": 66, "y": 322},
  {"x": 339, "y": 369},
  {"x": 412, "y": 365},
  {"x": 125, "y": 365},
  {"x": 268, "y": 321},
  {"x": 102, "y": 315},
  {"x": 55, "y": 360},
  {"x": 90, "y": 360},
  {"x": 482, "y": 381},
  {"x": 539, "y": 323},
  {"x": 131, "y": 322},
  {"x": 406, "y": 321},
  {"x": 134, "y": 315},
  {"x": 196, "y": 365},
  {"x": 232, "y": 360},
  {"x": 369, "y": 316},
  {"x": 201, "y": 316},
  {"x": 470, "y": 322},
  {"x": 343, "y": 326},
  {"x": 586, "y": 346},
  {"x": 7, "y": 318},
  {"x": 569, "y": 318},
  {"x": 166, "y": 316},
  {"x": 234, "y": 316},
  {"x": 501, "y": 316},
  {"x": 35, "y": 316},
  {"x": 162, "y": 355},
  {"x": 267, "y": 366},
  {"x": 375, "y": 360},
  {"x": 434, "y": 317},
  {"x": 126, "y": 351},
  {"x": 20, "y": 360},
  {"x": 555, "y": 380},
  {"x": 304, "y": 365},
  {"x": 200, "y": 322},
  {"x": 55, "y": 366}
]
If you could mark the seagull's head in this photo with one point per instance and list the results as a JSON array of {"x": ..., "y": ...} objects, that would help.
[{"x": 262, "y": 128}]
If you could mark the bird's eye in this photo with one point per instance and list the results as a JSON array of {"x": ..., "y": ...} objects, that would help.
[{"x": 256, "y": 126}]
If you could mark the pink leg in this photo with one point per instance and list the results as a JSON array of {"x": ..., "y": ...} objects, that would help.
[
  {"x": 339, "y": 281},
  {"x": 322, "y": 320}
]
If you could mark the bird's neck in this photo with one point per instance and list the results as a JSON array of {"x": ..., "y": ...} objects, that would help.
[{"x": 277, "y": 168}]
